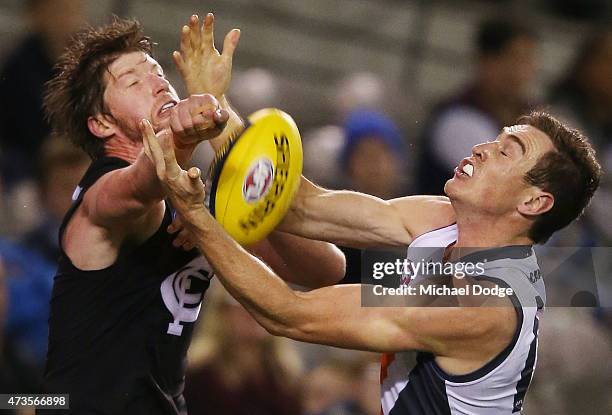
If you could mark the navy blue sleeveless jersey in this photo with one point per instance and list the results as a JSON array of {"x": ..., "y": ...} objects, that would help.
[{"x": 118, "y": 336}]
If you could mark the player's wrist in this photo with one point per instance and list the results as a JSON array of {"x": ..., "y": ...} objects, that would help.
[
  {"x": 197, "y": 218},
  {"x": 234, "y": 126},
  {"x": 184, "y": 145},
  {"x": 224, "y": 102}
]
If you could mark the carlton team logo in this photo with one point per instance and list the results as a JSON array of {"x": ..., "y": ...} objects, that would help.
[
  {"x": 182, "y": 293},
  {"x": 257, "y": 182}
]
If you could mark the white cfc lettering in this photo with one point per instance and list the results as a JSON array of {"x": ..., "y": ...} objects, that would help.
[{"x": 183, "y": 291}]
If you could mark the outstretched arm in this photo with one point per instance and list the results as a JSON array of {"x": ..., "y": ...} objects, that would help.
[
  {"x": 360, "y": 220},
  {"x": 331, "y": 315}
]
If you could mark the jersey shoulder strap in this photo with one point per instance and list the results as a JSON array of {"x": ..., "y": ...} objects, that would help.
[{"x": 97, "y": 169}]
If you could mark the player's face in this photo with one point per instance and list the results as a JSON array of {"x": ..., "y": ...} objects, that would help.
[
  {"x": 136, "y": 88},
  {"x": 492, "y": 179}
]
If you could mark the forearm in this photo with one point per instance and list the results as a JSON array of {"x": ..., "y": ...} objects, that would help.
[
  {"x": 144, "y": 185},
  {"x": 302, "y": 261},
  {"x": 267, "y": 297},
  {"x": 137, "y": 185},
  {"x": 184, "y": 154},
  {"x": 131, "y": 192}
]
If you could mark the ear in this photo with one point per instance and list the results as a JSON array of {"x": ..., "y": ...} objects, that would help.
[
  {"x": 537, "y": 203},
  {"x": 101, "y": 126}
]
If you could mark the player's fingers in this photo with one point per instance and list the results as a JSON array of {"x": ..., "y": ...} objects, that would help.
[
  {"x": 230, "y": 43},
  {"x": 179, "y": 62},
  {"x": 176, "y": 225},
  {"x": 186, "y": 120},
  {"x": 203, "y": 121},
  {"x": 212, "y": 127},
  {"x": 208, "y": 37},
  {"x": 194, "y": 173},
  {"x": 175, "y": 121},
  {"x": 147, "y": 148},
  {"x": 180, "y": 238},
  {"x": 195, "y": 181},
  {"x": 220, "y": 117},
  {"x": 194, "y": 32},
  {"x": 185, "y": 41},
  {"x": 172, "y": 168},
  {"x": 188, "y": 246},
  {"x": 155, "y": 152}
]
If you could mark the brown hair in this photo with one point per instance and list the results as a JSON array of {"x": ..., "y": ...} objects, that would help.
[
  {"x": 570, "y": 173},
  {"x": 76, "y": 92}
]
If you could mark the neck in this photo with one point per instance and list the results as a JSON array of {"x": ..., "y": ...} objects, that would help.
[
  {"x": 123, "y": 148},
  {"x": 487, "y": 231}
]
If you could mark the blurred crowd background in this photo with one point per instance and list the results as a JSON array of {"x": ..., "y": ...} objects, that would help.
[{"x": 389, "y": 96}]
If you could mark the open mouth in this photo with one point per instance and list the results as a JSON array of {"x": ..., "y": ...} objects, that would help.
[
  {"x": 166, "y": 107},
  {"x": 465, "y": 169}
]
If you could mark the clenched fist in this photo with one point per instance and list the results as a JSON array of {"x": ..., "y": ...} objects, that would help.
[{"x": 196, "y": 119}]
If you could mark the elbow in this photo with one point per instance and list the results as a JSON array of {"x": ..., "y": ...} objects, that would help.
[
  {"x": 331, "y": 270},
  {"x": 284, "y": 330},
  {"x": 336, "y": 267},
  {"x": 275, "y": 329},
  {"x": 298, "y": 333},
  {"x": 281, "y": 329},
  {"x": 293, "y": 325}
]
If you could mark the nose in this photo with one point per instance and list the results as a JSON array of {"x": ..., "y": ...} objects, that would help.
[
  {"x": 482, "y": 151},
  {"x": 160, "y": 84}
]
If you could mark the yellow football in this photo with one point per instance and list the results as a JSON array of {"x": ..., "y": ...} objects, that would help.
[{"x": 255, "y": 176}]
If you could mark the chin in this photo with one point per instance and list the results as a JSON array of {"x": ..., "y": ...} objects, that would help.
[{"x": 450, "y": 187}]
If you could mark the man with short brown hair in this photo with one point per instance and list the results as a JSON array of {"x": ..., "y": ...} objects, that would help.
[{"x": 126, "y": 295}]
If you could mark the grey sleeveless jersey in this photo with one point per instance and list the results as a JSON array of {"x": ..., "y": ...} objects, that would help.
[{"x": 498, "y": 387}]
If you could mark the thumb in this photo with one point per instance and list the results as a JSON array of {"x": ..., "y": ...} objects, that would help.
[
  {"x": 230, "y": 42},
  {"x": 194, "y": 175}
]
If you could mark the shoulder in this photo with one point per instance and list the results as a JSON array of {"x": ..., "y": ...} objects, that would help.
[
  {"x": 98, "y": 191},
  {"x": 422, "y": 214}
]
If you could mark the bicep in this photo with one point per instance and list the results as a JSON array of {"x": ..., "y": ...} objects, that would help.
[{"x": 346, "y": 218}]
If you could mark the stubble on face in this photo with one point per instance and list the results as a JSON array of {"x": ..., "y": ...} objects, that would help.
[{"x": 128, "y": 105}]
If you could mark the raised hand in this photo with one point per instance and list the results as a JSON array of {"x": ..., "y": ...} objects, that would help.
[
  {"x": 202, "y": 67},
  {"x": 184, "y": 188}
]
